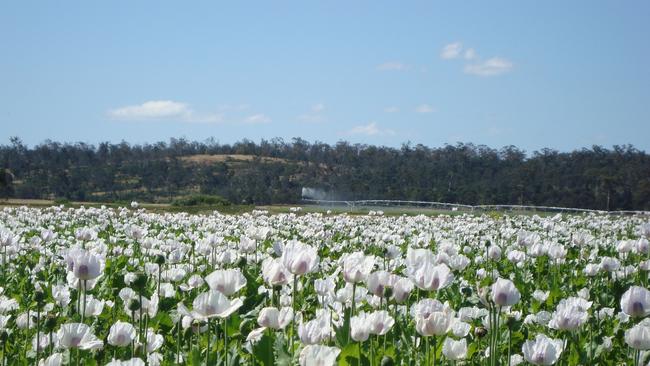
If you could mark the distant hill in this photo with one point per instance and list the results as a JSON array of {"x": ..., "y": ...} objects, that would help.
[
  {"x": 228, "y": 158},
  {"x": 275, "y": 171}
]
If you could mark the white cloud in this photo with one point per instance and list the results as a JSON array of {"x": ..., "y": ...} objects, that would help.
[
  {"x": 425, "y": 108},
  {"x": 371, "y": 129},
  {"x": 469, "y": 54},
  {"x": 154, "y": 109},
  {"x": 391, "y": 109},
  {"x": 315, "y": 114},
  {"x": 311, "y": 118},
  {"x": 257, "y": 118},
  {"x": 317, "y": 108},
  {"x": 451, "y": 51},
  {"x": 392, "y": 66},
  {"x": 162, "y": 110},
  {"x": 490, "y": 67},
  {"x": 474, "y": 65}
]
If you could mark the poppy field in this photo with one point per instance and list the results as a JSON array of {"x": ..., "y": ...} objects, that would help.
[{"x": 104, "y": 286}]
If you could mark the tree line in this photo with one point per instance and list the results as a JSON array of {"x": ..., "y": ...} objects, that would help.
[{"x": 274, "y": 171}]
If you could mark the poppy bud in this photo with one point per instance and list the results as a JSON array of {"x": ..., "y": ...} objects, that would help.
[
  {"x": 513, "y": 324},
  {"x": 134, "y": 305},
  {"x": 38, "y": 296},
  {"x": 242, "y": 262},
  {"x": 467, "y": 291},
  {"x": 387, "y": 361},
  {"x": 246, "y": 326},
  {"x": 140, "y": 282},
  {"x": 160, "y": 259},
  {"x": 480, "y": 332},
  {"x": 50, "y": 323}
]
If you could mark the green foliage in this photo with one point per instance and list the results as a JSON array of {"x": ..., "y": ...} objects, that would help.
[
  {"x": 201, "y": 200},
  {"x": 263, "y": 350},
  {"x": 275, "y": 171},
  {"x": 349, "y": 356},
  {"x": 6, "y": 183},
  {"x": 281, "y": 351},
  {"x": 39, "y": 263},
  {"x": 343, "y": 333}
]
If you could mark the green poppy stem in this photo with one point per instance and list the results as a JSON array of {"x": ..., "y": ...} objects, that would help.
[
  {"x": 359, "y": 349},
  {"x": 372, "y": 352},
  {"x": 207, "y": 350},
  {"x": 83, "y": 311},
  {"x": 178, "y": 342},
  {"x": 293, "y": 306},
  {"x": 435, "y": 347},
  {"x": 225, "y": 340},
  {"x": 38, "y": 329},
  {"x": 144, "y": 349},
  {"x": 354, "y": 291}
]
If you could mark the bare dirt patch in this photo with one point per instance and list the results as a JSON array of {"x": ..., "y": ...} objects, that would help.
[{"x": 223, "y": 158}]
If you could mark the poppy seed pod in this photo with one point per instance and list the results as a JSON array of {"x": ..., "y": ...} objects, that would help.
[
  {"x": 242, "y": 262},
  {"x": 140, "y": 282},
  {"x": 160, "y": 259},
  {"x": 38, "y": 297},
  {"x": 134, "y": 305},
  {"x": 513, "y": 324},
  {"x": 50, "y": 323},
  {"x": 246, "y": 326},
  {"x": 387, "y": 361},
  {"x": 480, "y": 332}
]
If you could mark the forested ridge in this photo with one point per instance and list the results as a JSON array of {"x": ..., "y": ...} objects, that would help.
[{"x": 274, "y": 171}]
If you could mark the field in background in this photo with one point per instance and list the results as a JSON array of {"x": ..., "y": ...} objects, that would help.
[{"x": 276, "y": 209}]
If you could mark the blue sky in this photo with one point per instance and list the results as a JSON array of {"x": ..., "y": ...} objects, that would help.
[{"x": 558, "y": 74}]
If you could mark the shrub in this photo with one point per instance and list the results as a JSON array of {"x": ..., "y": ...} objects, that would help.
[
  {"x": 201, "y": 200},
  {"x": 61, "y": 201}
]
